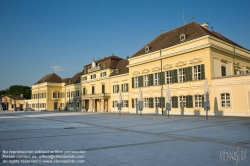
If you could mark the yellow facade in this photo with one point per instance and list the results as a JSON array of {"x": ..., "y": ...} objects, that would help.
[{"x": 183, "y": 65}]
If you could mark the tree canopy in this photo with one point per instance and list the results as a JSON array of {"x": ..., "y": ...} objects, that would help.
[{"x": 17, "y": 90}]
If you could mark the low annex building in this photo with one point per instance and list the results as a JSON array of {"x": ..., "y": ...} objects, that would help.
[{"x": 183, "y": 58}]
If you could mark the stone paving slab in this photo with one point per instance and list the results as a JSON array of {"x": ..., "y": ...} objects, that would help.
[{"x": 128, "y": 140}]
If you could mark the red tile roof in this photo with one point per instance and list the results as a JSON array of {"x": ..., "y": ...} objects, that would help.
[
  {"x": 192, "y": 31},
  {"x": 121, "y": 68},
  {"x": 50, "y": 78}
]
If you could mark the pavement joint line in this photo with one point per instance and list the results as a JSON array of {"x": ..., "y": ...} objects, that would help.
[{"x": 155, "y": 134}]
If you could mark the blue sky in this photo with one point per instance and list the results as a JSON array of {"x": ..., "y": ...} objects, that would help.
[{"x": 42, "y": 36}]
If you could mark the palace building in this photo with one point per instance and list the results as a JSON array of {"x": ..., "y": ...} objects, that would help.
[{"x": 183, "y": 58}]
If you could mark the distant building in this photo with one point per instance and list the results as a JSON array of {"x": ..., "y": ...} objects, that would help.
[
  {"x": 12, "y": 102},
  {"x": 183, "y": 58}
]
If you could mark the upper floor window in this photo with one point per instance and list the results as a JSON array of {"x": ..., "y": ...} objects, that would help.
[
  {"x": 197, "y": 72},
  {"x": 225, "y": 100},
  {"x": 157, "y": 79},
  {"x": 136, "y": 82},
  {"x": 115, "y": 88},
  {"x": 146, "y": 80},
  {"x": 103, "y": 88},
  {"x": 125, "y": 87},
  {"x": 77, "y": 93},
  {"x": 168, "y": 77},
  {"x": 182, "y": 37},
  {"x": 84, "y": 78},
  {"x": 55, "y": 95},
  {"x": 223, "y": 71},
  {"x": 103, "y": 74},
  {"x": 182, "y": 77},
  {"x": 93, "y": 76}
]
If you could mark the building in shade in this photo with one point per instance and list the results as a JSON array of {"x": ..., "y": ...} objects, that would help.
[
  {"x": 183, "y": 58},
  {"x": 12, "y": 102}
]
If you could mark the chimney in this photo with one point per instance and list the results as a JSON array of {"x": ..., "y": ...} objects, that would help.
[
  {"x": 205, "y": 25},
  {"x": 21, "y": 95}
]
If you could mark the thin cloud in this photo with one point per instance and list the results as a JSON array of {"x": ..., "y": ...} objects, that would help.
[{"x": 57, "y": 68}]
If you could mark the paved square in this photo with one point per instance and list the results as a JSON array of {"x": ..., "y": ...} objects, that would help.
[{"x": 126, "y": 140}]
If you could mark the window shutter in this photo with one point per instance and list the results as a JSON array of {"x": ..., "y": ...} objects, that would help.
[
  {"x": 162, "y": 78},
  {"x": 175, "y": 102},
  {"x": 151, "y": 102},
  {"x": 113, "y": 88},
  {"x": 118, "y": 88},
  {"x": 133, "y": 82},
  {"x": 162, "y": 102},
  {"x": 202, "y": 72},
  {"x": 113, "y": 103},
  {"x": 122, "y": 87},
  {"x": 151, "y": 79},
  {"x": 202, "y": 101},
  {"x": 126, "y": 87},
  {"x": 133, "y": 104},
  {"x": 174, "y": 76},
  {"x": 140, "y": 81},
  {"x": 189, "y": 101},
  {"x": 188, "y": 73},
  {"x": 127, "y": 102}
]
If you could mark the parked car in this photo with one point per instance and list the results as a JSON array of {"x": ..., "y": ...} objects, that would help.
[
  {"x": 18, "y": 109},
  {"x": 29, "y": 109}
]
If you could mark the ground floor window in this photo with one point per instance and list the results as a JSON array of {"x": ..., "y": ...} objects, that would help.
[
  {"x": 182, "y": 101},
  {"x": 198, "y": 101},
  {"x": 225, "y": 100},
  {"x": 125, "y": 103},
  {"x": 146, "y": 102}
]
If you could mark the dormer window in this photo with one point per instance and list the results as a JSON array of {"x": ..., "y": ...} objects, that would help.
[
  {"x": 146, "y": 49},
  {"x": 182, "y": 37}
]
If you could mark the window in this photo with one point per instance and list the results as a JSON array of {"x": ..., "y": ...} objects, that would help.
[
  {"x": 182, "y": 37},
  {"x": 125, "y": 103},
  {"x": 223, "y": 70},
  {"x": 168, "y": 77},
  {"x": 182, "y": 75},
  {"x": 146, "y": 49},
  {"x": 93, "y": 76},
  {"x": 157, "y": 79},
  {"x": 125, "y": 87},
  {"x": 182, "y": 101},
  {"x": 197, "y": 72},
  {"x": 225, "y": 100},
  {"x": 72, "y": 93},
  {"x": 146, "y": 102},
  {"x": 68, "y": 94},
  {"x": 84, "y": 91},
  {"x": 84, "y": 78},
  {"x": 198, "y": 101},
  {"x": 103, "y": 88},
  {"x": 103, "y": 74},
  {"x": 136, "y": 82},
  {"x": 55, "y": 94},
  {"x": 93, "y": 90},
  {"x": 115, "y": 88},
  {"x": 157, "y": 102},
  {"x": 146, "y": 80},
  {"x": 77, "y": 93},
  {"x": 115, "y": 103}
]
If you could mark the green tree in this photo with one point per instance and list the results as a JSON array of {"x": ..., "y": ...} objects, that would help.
[{"x": 17, "y": 90}]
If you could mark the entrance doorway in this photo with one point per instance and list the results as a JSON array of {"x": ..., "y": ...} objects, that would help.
[{"x": 55, "y": 105}]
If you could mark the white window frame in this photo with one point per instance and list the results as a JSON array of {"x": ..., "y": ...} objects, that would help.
[
  {"x": 116, "y": 88},
  {"x": 181, "y": 73},
  {"x": 168, "y": 77},
  {"x": 157, "y": 79},
  {"x": 146, "y": 102},
  {"x": 157, "y": 102},
  {"x": 124, "y": 103},
  {"x": 197, "y": 100},
  {"x": 182, "y": 98},
  {"x": 125, "y": 87},
  {"x": 136, "y": 82},
  {"x": 146, "y": 80},
  {"x": 197, "y": 72},
  {"x": 225, "y": 100}
]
